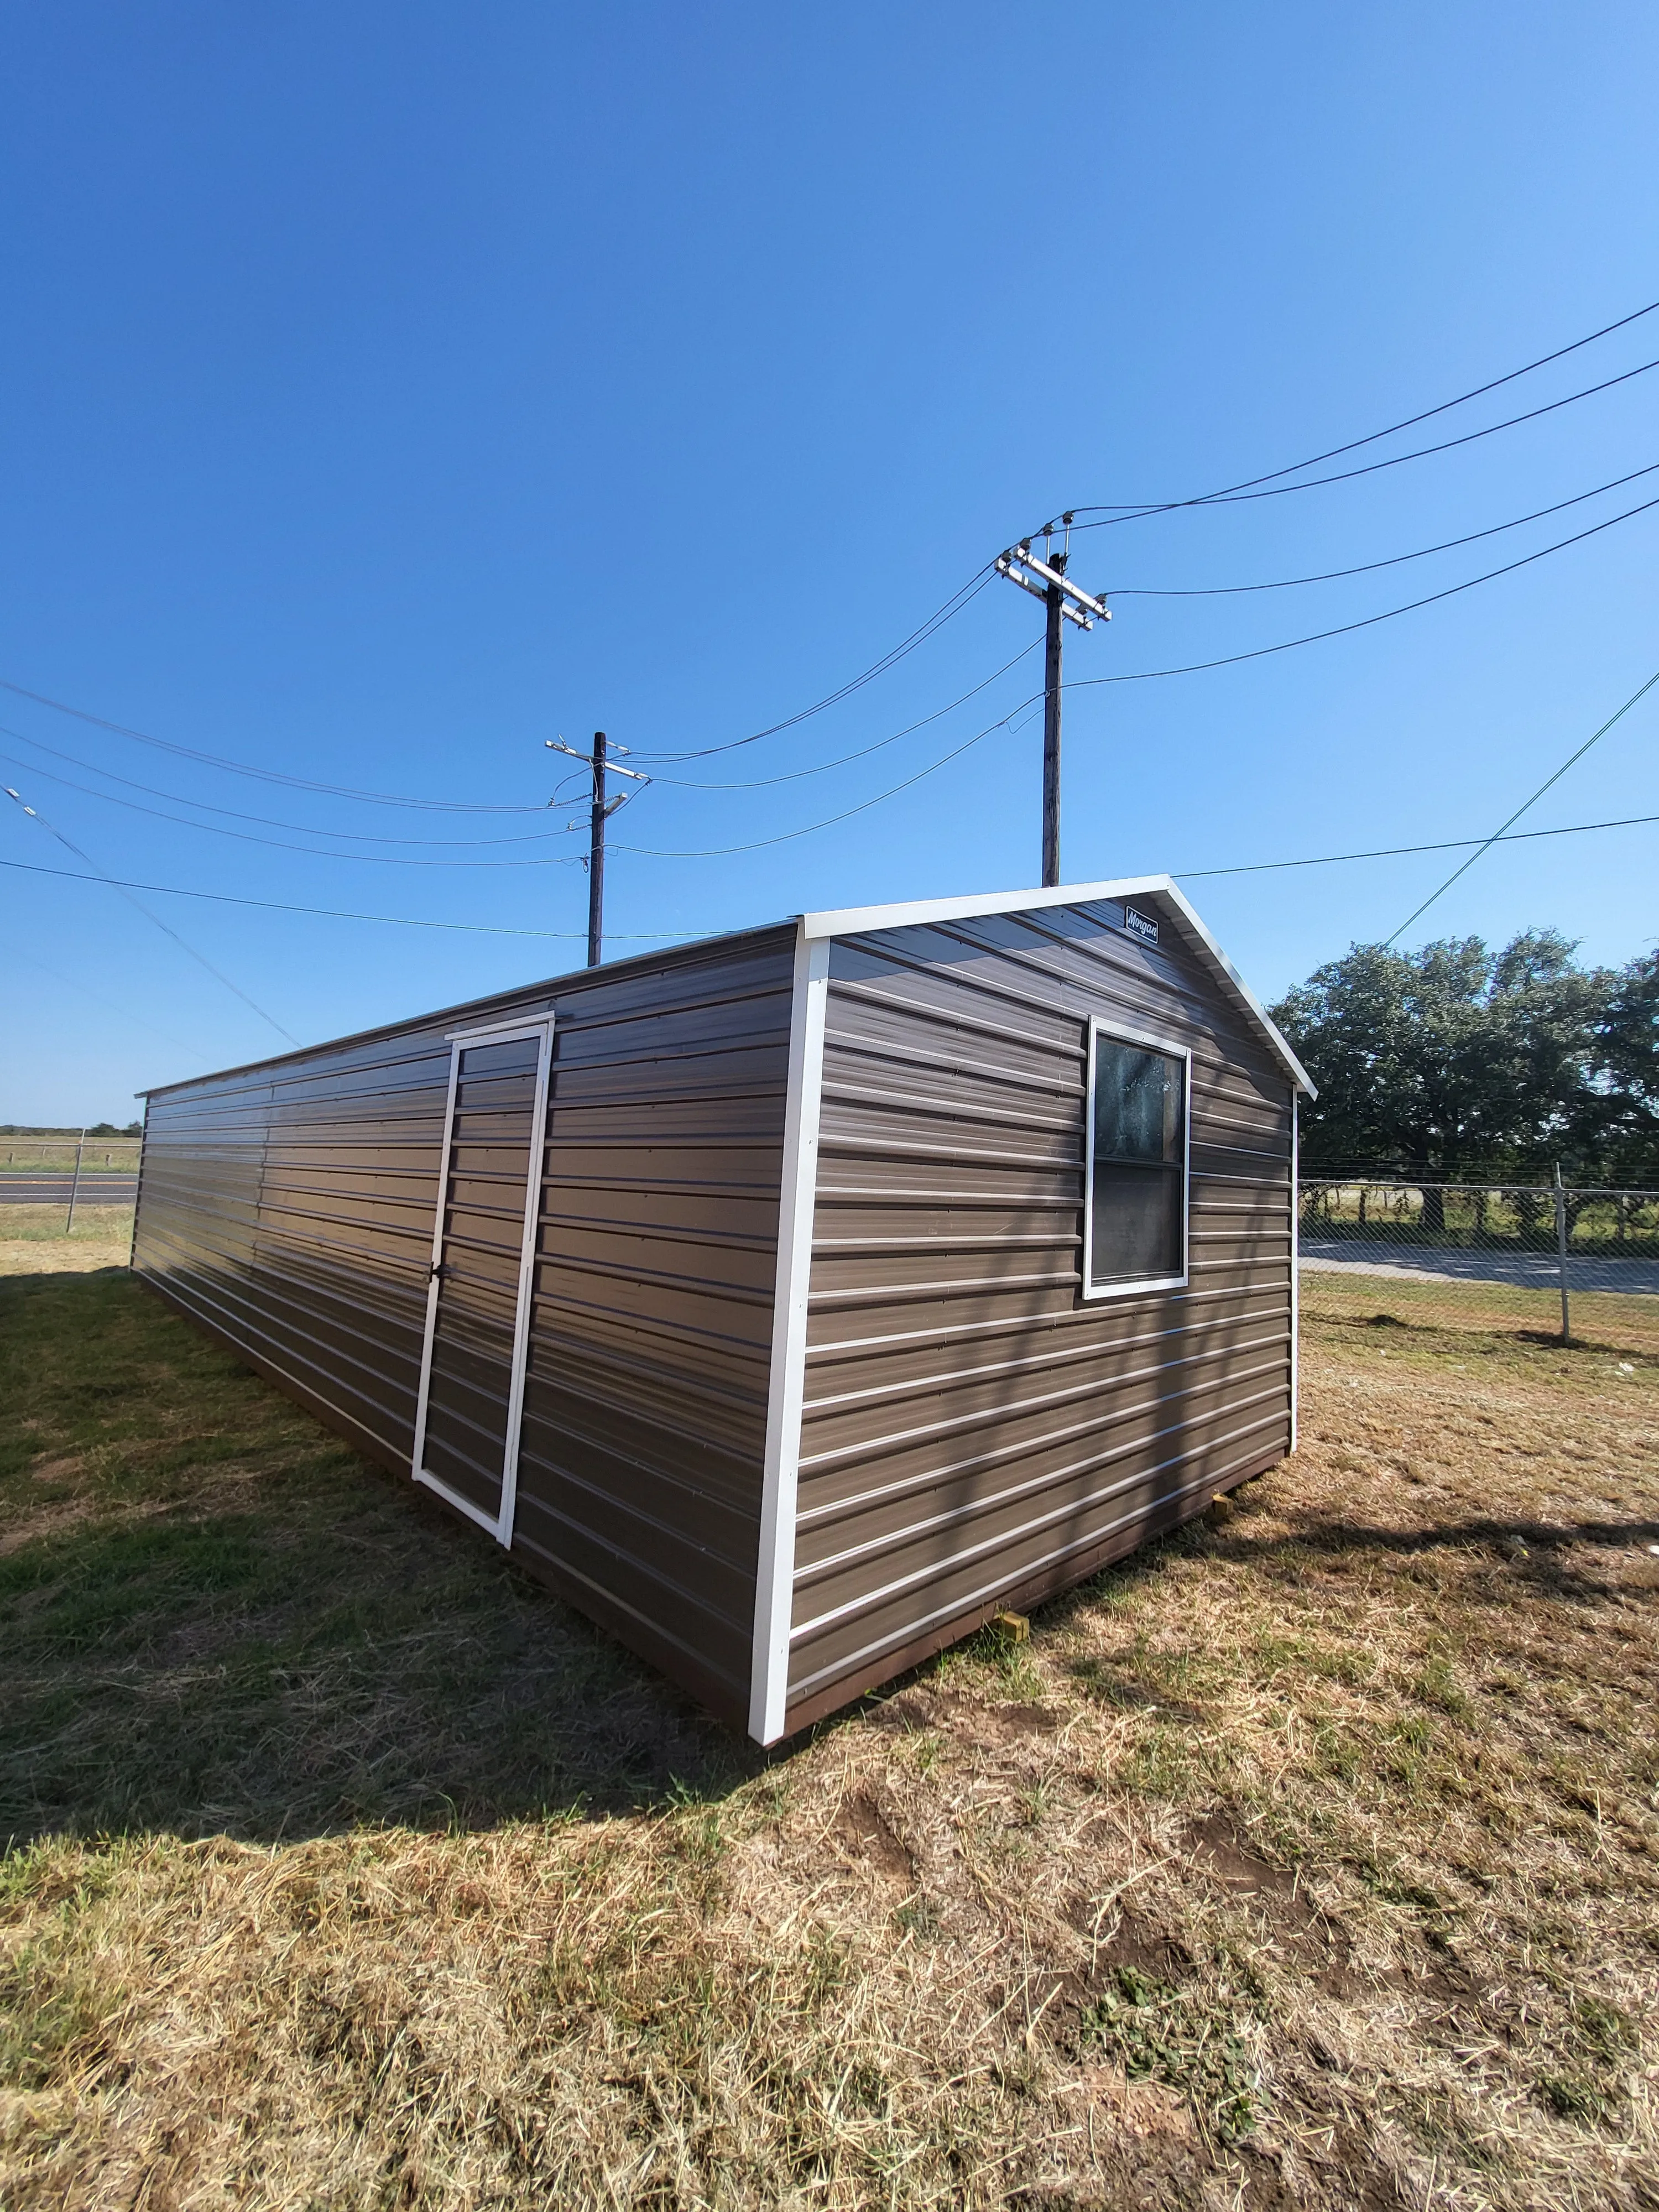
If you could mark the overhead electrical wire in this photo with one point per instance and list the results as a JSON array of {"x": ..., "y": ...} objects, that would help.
[
  {"x": 1139, "y": 676},
  {"x": 265, "y": 820},
  {"x": 788, "y": 836},
  {"x": 1526, "y": 805},
  {"x": 1366, "y": 621},
  {"x": 553, "y": 860},
  {"x": 1371, "y": 468},
  {"x": 1367, "y": 567},
  {"x": 1401, "y": 851},
  {"x": 1374, "y": 437},
  {"x": 167, "y": 929},
  {"x": 760, "y": 782},
  {"x": 109, "y": 1006},
  {"x": 260, "y": 775},
  {"x": 1004, "y": 722},
  {"x": 1252, "y": 487},
  {"x": 492, "y": 929},
  {"x": 338, "y": 914},
  {"x": 284, "y": 844},
  {"x": 952, "y": 607}
]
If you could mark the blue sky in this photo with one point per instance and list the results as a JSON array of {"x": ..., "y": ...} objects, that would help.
[{"x": 388, "y": 390}]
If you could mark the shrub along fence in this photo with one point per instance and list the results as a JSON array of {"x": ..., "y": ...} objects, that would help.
[{"x": 1538, "y": 1260}]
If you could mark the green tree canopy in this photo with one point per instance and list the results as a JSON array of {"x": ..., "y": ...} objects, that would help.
[{"x": 1453, "y": 1061}]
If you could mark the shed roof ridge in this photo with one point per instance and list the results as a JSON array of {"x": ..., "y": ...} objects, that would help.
[{"x": 916, "y": 914}]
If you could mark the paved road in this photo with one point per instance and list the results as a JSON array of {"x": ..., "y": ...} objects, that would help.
[
  {"x": 52, "y": 1188},
  {"x": 1535, "y": 1270}
]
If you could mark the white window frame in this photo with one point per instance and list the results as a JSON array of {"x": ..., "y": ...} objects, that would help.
[
  {"x": 1139, "y": 1285},
  {"x": 500, "y": 1525}
]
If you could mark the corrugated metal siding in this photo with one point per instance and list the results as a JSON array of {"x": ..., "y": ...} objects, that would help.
[
  {"x": 972, "y": 1428},
  {"x": 650, "y": 1344},
  {"x": 289, "y": 1208}
]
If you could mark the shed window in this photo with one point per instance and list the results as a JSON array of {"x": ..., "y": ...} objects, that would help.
[{"x": 1136, "y": 1203}]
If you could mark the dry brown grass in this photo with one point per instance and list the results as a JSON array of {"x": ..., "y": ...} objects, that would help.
[
  {"x": 1311, "y": 1858},
  {"x": 33, "y": 1241}
]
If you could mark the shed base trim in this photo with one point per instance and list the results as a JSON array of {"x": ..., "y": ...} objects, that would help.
[{"x": 1048, "y": 1583}]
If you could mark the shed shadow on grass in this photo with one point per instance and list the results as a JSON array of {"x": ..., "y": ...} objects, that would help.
[{"x": 215, "y": 1619}]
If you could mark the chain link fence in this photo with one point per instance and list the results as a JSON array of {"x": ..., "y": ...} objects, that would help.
[
  {"x": 1566, "y": 1263},
  {"x": 1547, "y": 1262}
]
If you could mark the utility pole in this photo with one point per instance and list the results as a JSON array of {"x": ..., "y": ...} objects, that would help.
[
  {"x": 1046, "y": 580},
  {"x": 596, "y": 857},
  {"x": 601, "y": 810}
]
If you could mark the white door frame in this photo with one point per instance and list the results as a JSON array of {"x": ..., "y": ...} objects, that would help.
[{"x": 541, "y": 1027}]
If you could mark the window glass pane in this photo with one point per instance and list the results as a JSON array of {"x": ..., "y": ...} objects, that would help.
[
  {"x": 1137, "y": 1225},
  {"x": 1138, "y": 1191},
  {"x": 1139, "y": 1097}
]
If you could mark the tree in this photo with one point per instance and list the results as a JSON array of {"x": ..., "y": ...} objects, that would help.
[
  {"x": 1452, "y": 1059},
  {"x": 1619, "y": 1123}
]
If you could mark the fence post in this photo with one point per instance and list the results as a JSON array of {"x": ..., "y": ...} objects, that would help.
[
  {"x": 1561, "y": 1253},
  {"x": 75, "y": 1183}
]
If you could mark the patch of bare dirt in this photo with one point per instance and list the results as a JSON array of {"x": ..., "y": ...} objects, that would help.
[{"x": 867, "y": 1835}]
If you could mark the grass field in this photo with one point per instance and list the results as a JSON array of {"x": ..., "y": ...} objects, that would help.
[
  {"x": 33, "y": 1241},
  {"x": 1602, "y": 1320},
  {"x": 1308, "y": 1858}
]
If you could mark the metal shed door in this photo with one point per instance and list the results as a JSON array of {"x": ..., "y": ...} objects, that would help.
[{"x": 477, "y": 1312}]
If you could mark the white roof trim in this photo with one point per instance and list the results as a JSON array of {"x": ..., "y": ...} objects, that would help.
[{"x": 916, "y": 914}]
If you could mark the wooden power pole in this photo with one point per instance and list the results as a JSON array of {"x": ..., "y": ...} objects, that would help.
[
  {"x": 602, "y": 809},
  {"x": 596, "y": 857},
  {"x": 1046, "y": 580}
]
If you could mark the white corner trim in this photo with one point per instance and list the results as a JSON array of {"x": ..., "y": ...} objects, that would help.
[
  {"x": 775, "y": 1572},
  {"x": 1178, "y": 897},
  {"x": 856, "y": 921},
  {"x": 1296, "y": 1262}
]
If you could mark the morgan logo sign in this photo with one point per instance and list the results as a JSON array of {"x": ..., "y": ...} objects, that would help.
[{"x": 1141, "y": 925}]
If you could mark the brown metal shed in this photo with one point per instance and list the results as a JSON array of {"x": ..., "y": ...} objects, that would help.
[{"x": 790, "y": 1302}]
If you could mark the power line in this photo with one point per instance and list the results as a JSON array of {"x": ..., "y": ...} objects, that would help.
[
  {"x": 935, "y": 621},
  {"x": 265, "y": 820},
  {"x": 1088, "y": 683},
  {"x": 260, "y": 775},
  {"x": 201, "y": 959},
  {"x": 281, "y": 844},
  {"x": 762, "y": 783},
  {"x": 788, "y": 836},
  {"x": 1520, "y": 810},
  {"x": 1373, "y": 437},
  {"x": 1367, "y": 622},
  {"x": 1366, "y": 568},
  {"x": 1140, "y": 676},
  {"x": 551, "y": 861},
  {"x": 951, "y": 608},
  {"x": 1371, "y": 468},
  {"x": 109, "y": 1006},
  {"x": 1399, "y": 852},
  {"x": 325, "y": 913},
  {"x": 661, "y": 937}
]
